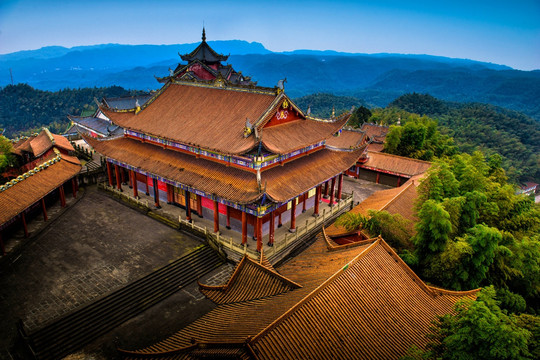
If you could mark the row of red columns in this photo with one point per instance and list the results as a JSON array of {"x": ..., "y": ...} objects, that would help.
[
  {"x": 258, "y": 223},
  {"x": 75, "y": 187}
]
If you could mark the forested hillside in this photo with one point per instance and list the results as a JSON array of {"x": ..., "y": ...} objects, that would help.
[
  {"x": 488, "y": 128},
  {"x": 24, "y": 109},
  {"x": 376, "y": 78}
]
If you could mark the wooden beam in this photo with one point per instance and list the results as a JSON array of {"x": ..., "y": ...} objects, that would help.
[
  {"x": 340, "y": 187},
  {"x": 23, "y": 218},
  {"x": 135, "y": 189},
  {"x": 188, "y": 206},
  {"x": 216, "y": 216},
  {"x": 271, "y": 232},
  {"x": 118, "y": 182},
  {"x": 333, "y": 191},
  {"x": 244, "y": 227},
  {"x": 156, "y": 193},
  {"x": 62, "y": 196},
  {"x": 293, "y": 216},
  {"x": 259, "y": 233},
  {"x": 228, "y": 213},
  {"x": 44, "y": 209},
  {"x": 317, "y": 196},
  {"x": 109, "y": 172}
]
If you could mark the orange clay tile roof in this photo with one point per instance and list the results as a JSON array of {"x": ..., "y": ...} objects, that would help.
[
  {"x": 298, "y": 176},
  {"x": 395, "y": 164},
  {"x": 249, "y": 281},
  {"x": 360, "y": 308},
  {"x": 372, "y": 308},
  {"x": 24, "y": 193},
  {"x": 225, "y": 181},
  {"x": 398, "y": 200},
  {"x": 46, "y": 140},
  {"x": 285, "y": 138},
  {"x": 235, "y": 322},
  {"x": 375, "y": 147},
  {"x": 376, "y": 132},
  {"x": 348, "y": 139},
  {"x": 208, "y": 117},
  {"x": 205, "y": 175}
]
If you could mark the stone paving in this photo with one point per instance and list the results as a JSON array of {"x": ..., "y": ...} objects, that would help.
[{"x": 94, "y": 247}]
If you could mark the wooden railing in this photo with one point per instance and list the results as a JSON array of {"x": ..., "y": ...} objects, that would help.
[{"x": 220, "y": 241}]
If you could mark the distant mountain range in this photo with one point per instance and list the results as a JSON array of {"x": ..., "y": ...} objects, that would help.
[{"x": 376, "y": 78}]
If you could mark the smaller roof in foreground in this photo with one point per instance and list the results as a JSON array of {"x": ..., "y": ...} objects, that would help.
[
  {"x": 249, "y": 281},
  {"x": 361, "y": 302},
  {"x": 35, "y": 184}
]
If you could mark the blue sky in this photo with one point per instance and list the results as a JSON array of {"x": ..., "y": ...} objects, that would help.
[{"x": 503, "y": 32}]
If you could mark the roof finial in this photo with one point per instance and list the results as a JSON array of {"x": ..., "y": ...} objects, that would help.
[{"x": 203, "y": 34}]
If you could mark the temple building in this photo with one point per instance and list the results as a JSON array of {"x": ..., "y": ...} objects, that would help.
[
  {"x": 49, "y": 169},
  {"x": 204, "y": 64},
  {"x": 246, "y": 157}
]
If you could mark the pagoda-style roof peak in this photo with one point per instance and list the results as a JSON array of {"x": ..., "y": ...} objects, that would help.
[{"x": 204, "y": 53}]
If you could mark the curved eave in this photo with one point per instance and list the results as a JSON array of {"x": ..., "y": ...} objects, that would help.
[{"x": 298, "y": 134}]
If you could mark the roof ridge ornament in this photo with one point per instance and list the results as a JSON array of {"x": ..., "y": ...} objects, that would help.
[
  {"x": 203, "y": 34},
  {"x": 281, "y": 85}
]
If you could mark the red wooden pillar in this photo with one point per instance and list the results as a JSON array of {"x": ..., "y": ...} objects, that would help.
[
  {"x": 228, "y": 212},
  {"x": 244, "y": 227},
  {"x": 135, "y": 189},
  {"x": 259, "y": 233},
  {"x": 398, "y": 181},
  {"x": 377, "y": 179},
  {"x": 271, "y": 232},
  {"x": 109, "y": 172},
  {"x": 340, "y": 187},
  {"x": 74, "y": 187},
  {"x": 333, "y": 191},
  {"x": 317, "y": 195},
  {"x": 326, "y": 189},
  {"x": 146, "y": 180},
  {"x": 123, "y": 176},
  {"x": 62, "y": 196},
  {"x": 44, "y": 209},
  {"x": 216, "y": 216},
  {"x": 188, "y": 206},
  {"x": 169, "y": 194},
  {"x": 118, "y": 183},
  {"x": 293, "y": 216},
  {"x": 23, "y": 218},
  {"x": 304, "y": 202},
  {"x": 2, "y": 247},
  {"x": 199, "y": 205},
  {"x": 156, "y": 193},
  {"x": 130, "y": 176},
  {"x": 279, "y": 223}
]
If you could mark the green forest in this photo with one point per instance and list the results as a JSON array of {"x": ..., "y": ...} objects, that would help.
[
  {"x": 24, "y": 110},
  {"x": 472, "y": 127},
  {"x": 472, "y": 231}
]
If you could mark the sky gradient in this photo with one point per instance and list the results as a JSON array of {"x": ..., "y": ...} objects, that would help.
[{"x": 502, "y": 32}]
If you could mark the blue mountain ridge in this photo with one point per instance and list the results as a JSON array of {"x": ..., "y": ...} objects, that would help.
[{"x": 377, "y": 78}]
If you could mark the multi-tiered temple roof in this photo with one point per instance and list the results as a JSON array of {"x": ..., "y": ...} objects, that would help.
[{"x": 204, "y": 64}]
